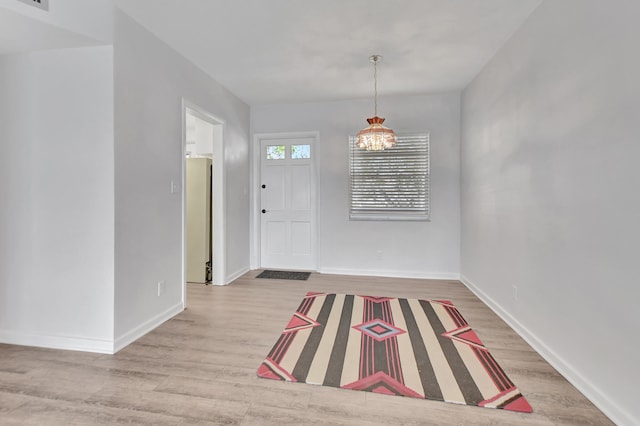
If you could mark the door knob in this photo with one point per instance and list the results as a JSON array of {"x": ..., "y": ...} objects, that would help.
[
  {"x": 264, "y": 211},
  {"x": 264, "y": 186}
]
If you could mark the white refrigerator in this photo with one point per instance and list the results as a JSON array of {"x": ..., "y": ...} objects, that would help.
[{"x": 198, "y": 218}]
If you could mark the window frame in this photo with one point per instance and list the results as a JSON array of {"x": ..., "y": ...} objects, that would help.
[{"x": 389, "y": 213}]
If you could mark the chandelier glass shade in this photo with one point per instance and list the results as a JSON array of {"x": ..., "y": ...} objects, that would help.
[{"x": 376, "y": 137}]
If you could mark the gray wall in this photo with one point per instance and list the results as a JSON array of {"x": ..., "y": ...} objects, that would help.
[{"x": 550, "y": 203}]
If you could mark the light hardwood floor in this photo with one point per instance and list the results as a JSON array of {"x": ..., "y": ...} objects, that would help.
[{"x": 200, "y": 368}]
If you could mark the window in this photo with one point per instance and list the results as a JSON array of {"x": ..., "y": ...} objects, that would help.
[
  {"x": 392, "y": 184},
  {"x": 279, "y": 152},
  {"x": 275, "y": 152},
  {"x": 300, "y": 151}
]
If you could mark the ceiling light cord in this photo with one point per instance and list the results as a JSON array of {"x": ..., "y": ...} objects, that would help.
[{"x": 375, "y": 85}]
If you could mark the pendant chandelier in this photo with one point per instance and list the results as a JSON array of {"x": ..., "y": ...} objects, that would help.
[{"x": 376, "y": 137}]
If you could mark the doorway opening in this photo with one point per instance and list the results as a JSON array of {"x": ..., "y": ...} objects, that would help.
[{"x": 203, "y": 250}]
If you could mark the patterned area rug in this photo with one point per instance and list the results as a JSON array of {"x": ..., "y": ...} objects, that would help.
[
  {"x": 417, "y": 348},
  {"x": 284, "y": 275}
]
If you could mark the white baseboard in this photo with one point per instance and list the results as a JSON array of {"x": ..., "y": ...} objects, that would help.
[
  {"x": 234, "y": 276},
  {"x": 616, "y": 413},
  {"x": 84, "y": 344},
  {"x": 392, "y": 273},
  {"x": 139, "y": 331}
]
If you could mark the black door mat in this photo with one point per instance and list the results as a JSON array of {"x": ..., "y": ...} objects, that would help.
[{"x": 284, "y": 275}]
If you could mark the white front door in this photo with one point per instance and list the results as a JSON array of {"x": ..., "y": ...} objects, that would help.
[{"x": 288, "y": 203}]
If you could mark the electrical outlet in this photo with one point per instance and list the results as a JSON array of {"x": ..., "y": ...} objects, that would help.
[
  {"x": 162, "y": 287},
  {"x": 175, "y": 187},
  {"x": 379, "y": 254},
  {"x": 515, "y": 292}
]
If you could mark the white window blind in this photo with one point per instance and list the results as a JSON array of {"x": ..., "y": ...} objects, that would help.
[{"x": 392, "y": 184}]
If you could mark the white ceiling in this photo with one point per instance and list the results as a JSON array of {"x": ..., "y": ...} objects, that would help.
[{"x": 281, "y": 51}]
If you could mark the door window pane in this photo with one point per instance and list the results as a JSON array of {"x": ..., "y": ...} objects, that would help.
[
  {"x": 275, "y": 152},
  {"x": 300, "y": 151}
]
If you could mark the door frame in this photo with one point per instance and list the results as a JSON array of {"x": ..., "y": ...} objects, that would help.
[
  {"x": 256, "y": 261},
  {"x": 218, "y": 197}
]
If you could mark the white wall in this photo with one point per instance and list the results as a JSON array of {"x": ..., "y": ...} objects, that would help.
[
  {"x": 56, "y": 220},
  {"x": 550, "y": 200},
  {"x": 150, "y": 81},
  {"x": 89, "y": 18},
  {"x": 410, "y": 249}
]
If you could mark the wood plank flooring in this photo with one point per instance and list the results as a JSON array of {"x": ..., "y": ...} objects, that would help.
[{"x": 200, "y": 368}]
